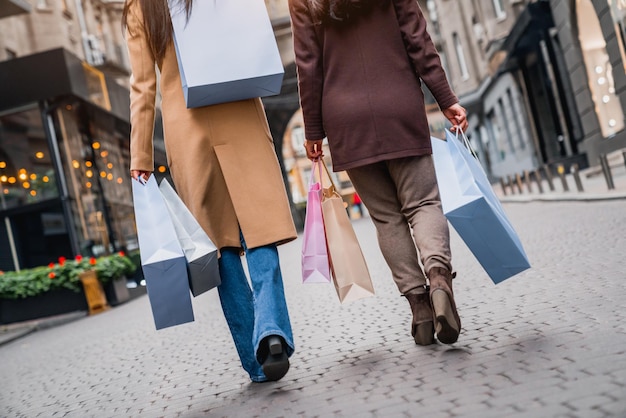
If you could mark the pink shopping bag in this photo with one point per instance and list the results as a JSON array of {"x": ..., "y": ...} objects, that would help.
[{"x": 315, "y": 263}]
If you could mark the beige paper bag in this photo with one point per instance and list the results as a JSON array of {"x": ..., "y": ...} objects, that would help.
[{"x": 349, "y": 270}]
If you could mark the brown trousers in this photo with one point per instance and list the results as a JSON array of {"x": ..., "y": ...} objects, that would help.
[{"x": 402, "y": 198}]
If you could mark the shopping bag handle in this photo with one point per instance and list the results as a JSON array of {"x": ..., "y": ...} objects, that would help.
[
  {"x": 465, "y": 141},
  {"x": 316, "y": 165}
]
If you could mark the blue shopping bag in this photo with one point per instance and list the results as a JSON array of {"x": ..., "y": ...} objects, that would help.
[
  {"x": 474, "y": 210},
  {"x": 162, "y": 258}
]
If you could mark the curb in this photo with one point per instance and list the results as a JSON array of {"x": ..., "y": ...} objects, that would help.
[
  {"x": 12, "y": 332},
  {"x": 562, "y": 197}
]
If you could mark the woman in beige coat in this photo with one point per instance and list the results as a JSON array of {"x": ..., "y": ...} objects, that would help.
[{"x": 223, "y": 164}]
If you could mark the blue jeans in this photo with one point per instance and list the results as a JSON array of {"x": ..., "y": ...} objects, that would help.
[{"x": 253, "y": 314}]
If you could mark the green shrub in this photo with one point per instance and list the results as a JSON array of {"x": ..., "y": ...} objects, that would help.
[{"x": 62, "y": 275}]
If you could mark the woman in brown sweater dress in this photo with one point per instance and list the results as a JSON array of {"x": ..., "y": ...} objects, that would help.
[{"x": 360, "y": 66}]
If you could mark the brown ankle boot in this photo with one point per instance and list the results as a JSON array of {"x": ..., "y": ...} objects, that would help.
[
  {"x": 447, "y": 321},
  {"x": 422, "y": 328}
]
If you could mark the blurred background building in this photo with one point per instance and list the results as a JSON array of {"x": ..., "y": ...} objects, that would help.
[{"x": 544, "y": 83}]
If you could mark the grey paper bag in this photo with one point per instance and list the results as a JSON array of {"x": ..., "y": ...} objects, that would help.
[
  {"x": 162, "y": 258},
  {"x": 226, "y": 51},
  {"x": 199, "y": 250}
]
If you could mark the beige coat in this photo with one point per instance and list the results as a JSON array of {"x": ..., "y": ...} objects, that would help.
[{"x": 221, "y": 157}]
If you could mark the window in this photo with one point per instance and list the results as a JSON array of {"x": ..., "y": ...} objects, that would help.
[
  {"x": 498, "y": 146},
  {"x": 516, "y": 118},
  {"x": 42, "y": 4},
  {"x": 95, "y": 158},
  {"x": 26, "y": 170},
  {"x": 505, "y": 119},
  {"x": 618, "y": 12},
  {"x": 498, "y": 6},
  {"x": 460, "y": 55},
  {"x": 599, "y": 70}
]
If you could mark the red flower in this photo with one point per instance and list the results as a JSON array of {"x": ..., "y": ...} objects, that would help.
[
  {"x": 122, "y": 254},
  {"x": 92, "y": 261},
  {"x": 51, "y": 265},
  {"x": 62, "y": 260},
  {"x": 1, "y": 272},
  {"x": 79, "y": 258},
  {"x": 51, "y": 275}
]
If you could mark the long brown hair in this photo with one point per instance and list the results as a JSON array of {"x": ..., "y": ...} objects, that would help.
[
  {"x": 336, "y": 11},
  {"x": 156, "y": 22}
]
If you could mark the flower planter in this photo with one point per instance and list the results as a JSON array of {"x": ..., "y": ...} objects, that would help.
[
  {"x": 116, "y": 291},
  {"x": 53, "y": 302}
]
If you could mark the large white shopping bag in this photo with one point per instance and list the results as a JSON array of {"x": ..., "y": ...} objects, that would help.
[
  {"x": 199, "y": 250},
  {"x": 162, "y": 259},
  {"x": 226, "y": 51},
  {"x": 474, "y": 210}
]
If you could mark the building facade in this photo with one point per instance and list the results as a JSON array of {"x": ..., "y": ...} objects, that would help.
[
  {"x": 64, "y": 128},
  {"x": 543, "y": 81}
]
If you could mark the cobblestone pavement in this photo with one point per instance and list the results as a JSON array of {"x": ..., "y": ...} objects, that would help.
[{"x": 550, "y": 342}]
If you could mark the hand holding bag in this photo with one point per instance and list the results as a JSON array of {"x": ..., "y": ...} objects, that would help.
[
  {"x": 474, "y": 210},
  {"x": 315, "y": 262},
  {"x": 349, "y": 270},
  {"x": 226, "y": 51},
  {"x": 199, "y": 250},
  {"x": 162, "y": 258}
]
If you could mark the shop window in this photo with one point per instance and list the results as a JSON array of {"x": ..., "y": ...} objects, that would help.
[
  {"x": 112, "y": 159},
  {"x": 599, "y": 70},
  {"x": 460, "y": 55},
  {"x": 516, "y": 117},
  {"x": 618, "y": 13},
  {"x": 27, "y": 173},
  {"x": 95, "y": 162},
  {"x": 499, "y": 142}
]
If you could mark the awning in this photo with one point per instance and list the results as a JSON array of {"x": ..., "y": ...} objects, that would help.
[
  {"x": 13, "y": 7},
  {"x": 529, "y": 27},
  {"x": 56, "y": 73}
]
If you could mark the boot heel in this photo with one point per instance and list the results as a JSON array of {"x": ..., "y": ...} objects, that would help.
[
  {"x": 446, "y": 326},
  {"x": 424, "y": 333},
  {"x": 275, "y": 345},
  {"x": 276, "y": 365}
]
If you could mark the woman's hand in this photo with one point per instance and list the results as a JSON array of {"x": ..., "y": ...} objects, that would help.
[
  {"x": 145, "y": 175},
  {"x": 314, "y": 149},
  {"x": 457, "y": 116}
]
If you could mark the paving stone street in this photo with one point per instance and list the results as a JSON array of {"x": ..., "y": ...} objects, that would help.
[{"x": 549, "y": 342}]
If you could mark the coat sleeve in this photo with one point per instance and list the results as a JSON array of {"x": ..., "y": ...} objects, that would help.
[
  {"x": 308, "y": 53},
  {"x": 422, "y": 51},
  {"x": 143, "y": 86}
]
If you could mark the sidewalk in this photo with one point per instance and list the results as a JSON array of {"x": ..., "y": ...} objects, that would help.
[
  {"x": 548, "y": 343},
  {"x": 592, "y": 180},
  {"x": 14, "y": 331}
]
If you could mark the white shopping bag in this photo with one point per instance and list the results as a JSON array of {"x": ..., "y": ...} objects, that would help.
[
  {"x": 226, "y": 51},
  {"x": 162, "y": 259},
  {"x": 199, "y": 250},
  {"x": 473, "y": 209}
]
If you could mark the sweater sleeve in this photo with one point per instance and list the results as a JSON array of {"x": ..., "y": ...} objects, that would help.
[
  {"x": 422, "y": 52},
  {"x": 143, "y": 87},
  {"x": 309, "y": 61}
]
